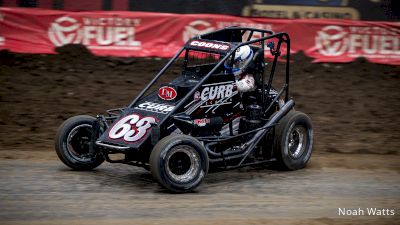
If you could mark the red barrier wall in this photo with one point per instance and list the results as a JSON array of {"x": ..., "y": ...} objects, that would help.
[{"x": 158, "y": 34}]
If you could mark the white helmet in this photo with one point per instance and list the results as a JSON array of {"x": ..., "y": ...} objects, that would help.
[{"x": 243, "y": 57}]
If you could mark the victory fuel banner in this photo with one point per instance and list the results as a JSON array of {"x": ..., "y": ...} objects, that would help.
[{"x": 144, "y": 34}]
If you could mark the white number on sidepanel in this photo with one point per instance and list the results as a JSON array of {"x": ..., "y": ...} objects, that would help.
[{"x": 131, "y": 128}]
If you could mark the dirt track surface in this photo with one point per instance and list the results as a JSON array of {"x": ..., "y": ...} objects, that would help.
[
  {"x": 43, "y": 191},
  {"x": 354, "y": 107}
]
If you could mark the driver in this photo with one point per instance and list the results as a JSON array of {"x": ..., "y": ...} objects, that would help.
[{"x": 244, "y": 81}]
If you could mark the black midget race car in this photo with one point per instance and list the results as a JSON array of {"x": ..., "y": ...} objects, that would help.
[{"x": 191, "y": 116}]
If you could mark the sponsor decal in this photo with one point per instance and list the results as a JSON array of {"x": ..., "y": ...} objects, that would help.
[
  {"x": 155, "y": 107},
  {"x": 374, "y": 42},
  {"x": 195, "y": 28},
  {"x": 96, "y": 33},
  {"x": 210, "y": 45},
  {"x": 167, "y": 93},
  {"x": 201, "y": 122},
  {"x": 131, "y": 128},
  {"x": 212, "y": 96},
  {"x": 217, "y": 91}
]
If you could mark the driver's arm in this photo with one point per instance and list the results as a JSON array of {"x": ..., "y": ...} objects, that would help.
[{"x": 246, "y": 83}]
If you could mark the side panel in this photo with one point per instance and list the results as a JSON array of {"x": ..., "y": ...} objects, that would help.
[
  {"x": 217, "y": 97},
  {"x": 134, "y": 126}
]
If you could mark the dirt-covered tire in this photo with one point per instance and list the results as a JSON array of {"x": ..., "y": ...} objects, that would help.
[
  {"x": 179, "y": 163},
  {"x": 72, "y": 143},
  {"x": 293, "y": 140}
]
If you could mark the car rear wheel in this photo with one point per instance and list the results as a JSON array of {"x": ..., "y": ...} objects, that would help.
[
  {"x": 293, "y": 140},
  {"x": 179, "y": 163},
  {"x": 72, "y": 143}
]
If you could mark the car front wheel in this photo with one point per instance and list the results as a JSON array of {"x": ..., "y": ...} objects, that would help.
[
  {"x": 179, "y": 163},
  {"x": 72, "y": 143}
]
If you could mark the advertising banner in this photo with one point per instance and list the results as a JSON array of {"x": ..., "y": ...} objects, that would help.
[
  {"x": 143, "y": 34},
  {"x": 368, "y": 10}
]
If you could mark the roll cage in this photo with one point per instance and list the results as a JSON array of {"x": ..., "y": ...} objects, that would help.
[{"x": 233, "y": 36}]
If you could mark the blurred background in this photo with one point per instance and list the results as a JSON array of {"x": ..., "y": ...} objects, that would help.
[{"x": 372, "y": 10}]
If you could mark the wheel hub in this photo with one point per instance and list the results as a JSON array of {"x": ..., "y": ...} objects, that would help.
[
  {"x": 78, "y": 142},
  {"x": 182, "y": 164},
  {"x": 297, "y": 141}
]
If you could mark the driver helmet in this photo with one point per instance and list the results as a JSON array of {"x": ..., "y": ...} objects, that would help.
[{"x": 243, "y": 57}]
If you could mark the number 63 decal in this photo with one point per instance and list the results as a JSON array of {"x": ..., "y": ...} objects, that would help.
[{"x": 132, "y": 128}]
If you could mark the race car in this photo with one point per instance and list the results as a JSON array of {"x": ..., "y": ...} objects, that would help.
[{"x": 194, "y": 115}]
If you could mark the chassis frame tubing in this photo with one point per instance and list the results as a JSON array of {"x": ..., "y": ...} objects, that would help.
[
  {"x": 249, "y": 146},
  {"x": 282, "y": 37}
]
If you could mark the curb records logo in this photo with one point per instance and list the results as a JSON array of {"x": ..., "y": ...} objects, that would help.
[
  {"x": 155, "y": 107},
  {"x": 196, "y": 27},
  {"x": 332, "y": 41},
  {"x": 96, "y": 33}
]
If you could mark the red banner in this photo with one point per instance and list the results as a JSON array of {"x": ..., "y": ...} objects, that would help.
[{"x": 143, "y": 34}]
